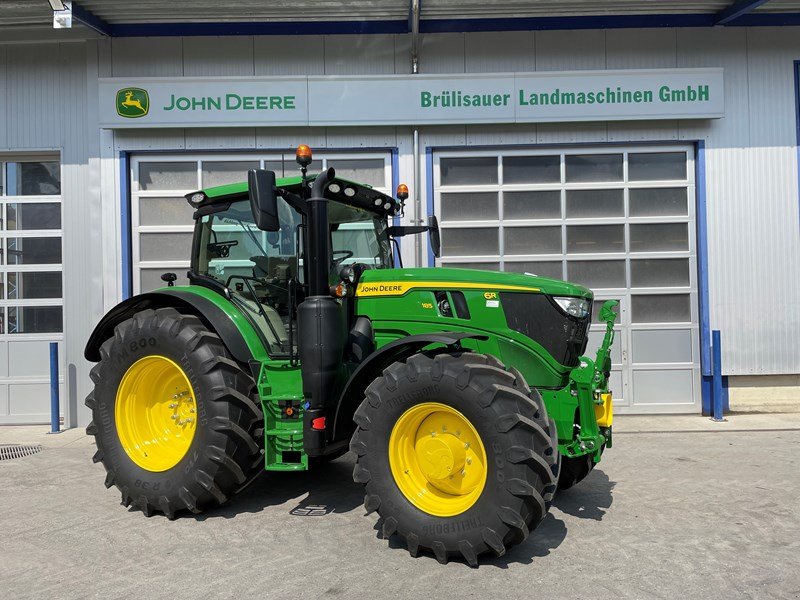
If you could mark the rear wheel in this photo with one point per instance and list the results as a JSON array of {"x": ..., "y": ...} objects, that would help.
[
  {"x": 453, "y": 453},
  {"x": 173, "y": 416}
]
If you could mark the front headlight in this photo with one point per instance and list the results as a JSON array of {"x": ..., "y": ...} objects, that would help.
[{"x": 575, "y": 307}]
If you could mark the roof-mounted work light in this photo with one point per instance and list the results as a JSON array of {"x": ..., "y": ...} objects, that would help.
[{"x": 62, "y": 14}]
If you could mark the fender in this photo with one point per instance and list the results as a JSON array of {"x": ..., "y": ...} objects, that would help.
[
  {"x": 193, "y": 303},
  {"x": 375, "y": 363}
]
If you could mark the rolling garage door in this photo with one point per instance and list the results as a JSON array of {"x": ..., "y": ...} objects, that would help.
[
  {"x": 618, "y": 220},
  {"x": 161, "y": 219}
]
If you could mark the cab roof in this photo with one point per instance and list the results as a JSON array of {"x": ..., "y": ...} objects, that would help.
[{"x": 342, "y": 190}]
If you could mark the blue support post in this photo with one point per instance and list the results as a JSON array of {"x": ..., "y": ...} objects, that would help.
[
  {"x": 55, "y": 424},
  {"x": 716, "y": 349}
]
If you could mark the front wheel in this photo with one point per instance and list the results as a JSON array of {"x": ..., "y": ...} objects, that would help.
[
  {"x": 454, "y": 455},
  {"x": 173, "y": 417}
]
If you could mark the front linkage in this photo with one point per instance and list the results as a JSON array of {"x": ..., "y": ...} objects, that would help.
[{"x": 585, "y": 404}]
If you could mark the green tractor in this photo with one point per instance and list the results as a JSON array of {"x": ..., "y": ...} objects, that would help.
[{"x": 463, "y": 394}]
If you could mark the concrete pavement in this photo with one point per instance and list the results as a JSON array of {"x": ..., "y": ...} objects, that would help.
[{"x": 709, "y": 512}]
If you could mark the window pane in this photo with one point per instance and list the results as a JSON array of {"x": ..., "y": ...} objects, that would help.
[
  {"x": 477, "y": 170},
  {"x": 660, "y": 272},
  {"x": 150, "y": 279},
  {"x": 657, "y": 202},
  {"x": 659, "y": 238},
  {"x": 472, "y": 206},
  {"x": 473, "y": 265},
  {"x": 597, "y": 273},
  {"x": 371, "y": 171},
  {"x": 33, "y": 251},
  {"x": 532, "y": 205},
  {"x": 165, "y": 246},
  {"x": 551, "y": 269},
  {"x": 595, "y": 238},
  {"x": 532, "y": 240},
  {"x": 595, "y": 203},
  {"x": 656, "y": 166},
  {"x": 168, "y": 176},
  {"x": 531, "y": 169},
  {"x": 33, "y": 216},
  {"x": 165, "y": 211},
  {"x": 662, "y": 346},
  {"x": 593, "y": 167},
  {"x": 2, "y": 189},
  {"x": 33, "y": 178},
  {"x": 221, "y": 173},
  {"x": 34, "y": 319},
  {"x": 665, "y": 308},
  {"x": 27, "y": 286},
  {"x": 470, "y": 242}
]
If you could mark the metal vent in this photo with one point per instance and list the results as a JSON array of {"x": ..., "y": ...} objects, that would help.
[{"x": 9, "y": 451}]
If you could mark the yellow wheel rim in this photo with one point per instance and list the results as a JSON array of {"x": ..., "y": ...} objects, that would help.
[
  {"x": 155, "y": 413},
  {"x": 437, "y": 459}
]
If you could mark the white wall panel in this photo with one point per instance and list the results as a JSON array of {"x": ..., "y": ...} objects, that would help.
[
  {"x": 5, "y": 116},
  {"x": 218, "y": 56},
  {"x": 147, "y": 57},
  {"x": 489, "y": 135},
  {"x": 359, "y": 54},
  {"x": 500, "y": 52},
  {"x": 641, "y": 48},
  {"x": 361, "y": 137},
  {"x": 289, "y": 55},
  {"x": 440, "y": 53},
  {"x": 224, "y": 138},
  {"x": 32, "y": 84},
  {"x": 291, "y": 137},
  {"x": 570, "y": 50},
  {"x": 133, "y": 140}
]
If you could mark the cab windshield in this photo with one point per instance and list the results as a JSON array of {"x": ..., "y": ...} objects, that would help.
[{"x": 264, "y": 270}]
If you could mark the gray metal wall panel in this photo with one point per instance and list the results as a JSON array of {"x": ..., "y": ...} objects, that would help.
[
  {"x": 359, "y": 54},
  {"x": 500, "y": 52},
  {"x": 440, "y": 53},
  {"x": 224, "y": 138},
  {"x": 5, "y": 116},
  {"x": 147, "y": 57},
  {"x": 218, "y": 56},
  {"x": 570, "y": 50},
  {"x": 641, "y": 48},
  {"x": 274, "y": 55},
  {"x": 291, "y": 137},
  {"x": 361, "y": 137}
]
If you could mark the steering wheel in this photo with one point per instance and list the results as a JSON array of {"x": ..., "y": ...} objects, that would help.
[{"x": 337, "y": 261}]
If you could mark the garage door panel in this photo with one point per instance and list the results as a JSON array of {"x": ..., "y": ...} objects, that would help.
[
  {"x": 668, "y": 386},
  {"x": 617, "y": 220}
]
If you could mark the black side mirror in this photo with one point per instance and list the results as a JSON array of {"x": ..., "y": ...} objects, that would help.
[
  {"x": 433, "y": 236},
  {"x": 263, "y": 199}
]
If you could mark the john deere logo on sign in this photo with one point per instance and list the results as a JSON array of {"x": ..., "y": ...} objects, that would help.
[{"x": 132, "y": 103}]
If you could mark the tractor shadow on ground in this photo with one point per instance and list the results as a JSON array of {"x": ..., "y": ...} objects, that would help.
[
  {"x": 330, "y": 489},
  {"x": 588, "y": 500}
]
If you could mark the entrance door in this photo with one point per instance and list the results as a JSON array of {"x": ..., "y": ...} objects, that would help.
[{"x": 619, "y": 220}]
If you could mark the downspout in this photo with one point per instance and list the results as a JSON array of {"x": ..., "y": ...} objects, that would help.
[{"x": 418, "y": 216}]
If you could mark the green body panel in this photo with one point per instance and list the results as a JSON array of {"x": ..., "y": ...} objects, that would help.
[
  {"x": 245, "y": 327},
  {"x": 402, "y": 302},
  {"x": 280, "y": 383},
  {"x": 410, "y": 307},
  {"x": 394, "y": 316}
]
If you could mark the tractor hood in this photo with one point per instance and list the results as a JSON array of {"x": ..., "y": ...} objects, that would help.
[{"x": 397, "y": 282}]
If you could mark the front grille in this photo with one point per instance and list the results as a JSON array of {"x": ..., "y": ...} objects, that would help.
[{"x": 537, "y": 317}]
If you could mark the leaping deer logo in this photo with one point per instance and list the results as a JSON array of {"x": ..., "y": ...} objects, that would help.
[{"x": 132, "y": 103}]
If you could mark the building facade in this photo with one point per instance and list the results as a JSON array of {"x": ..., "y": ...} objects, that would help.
[{"x": 691, "y": 219}]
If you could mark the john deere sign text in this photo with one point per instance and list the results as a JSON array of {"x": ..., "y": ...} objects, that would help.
[{"x": 413, "y": 100}]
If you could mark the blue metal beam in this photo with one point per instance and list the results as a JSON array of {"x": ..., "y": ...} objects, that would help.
[
  {"x": 428, "y": 25},
  {"x": 91, "y": 20},
  {"x": 736, "y": 10}
]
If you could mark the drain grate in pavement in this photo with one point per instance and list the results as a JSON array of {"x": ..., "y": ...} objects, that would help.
[{"x": 9, "y": 451}]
